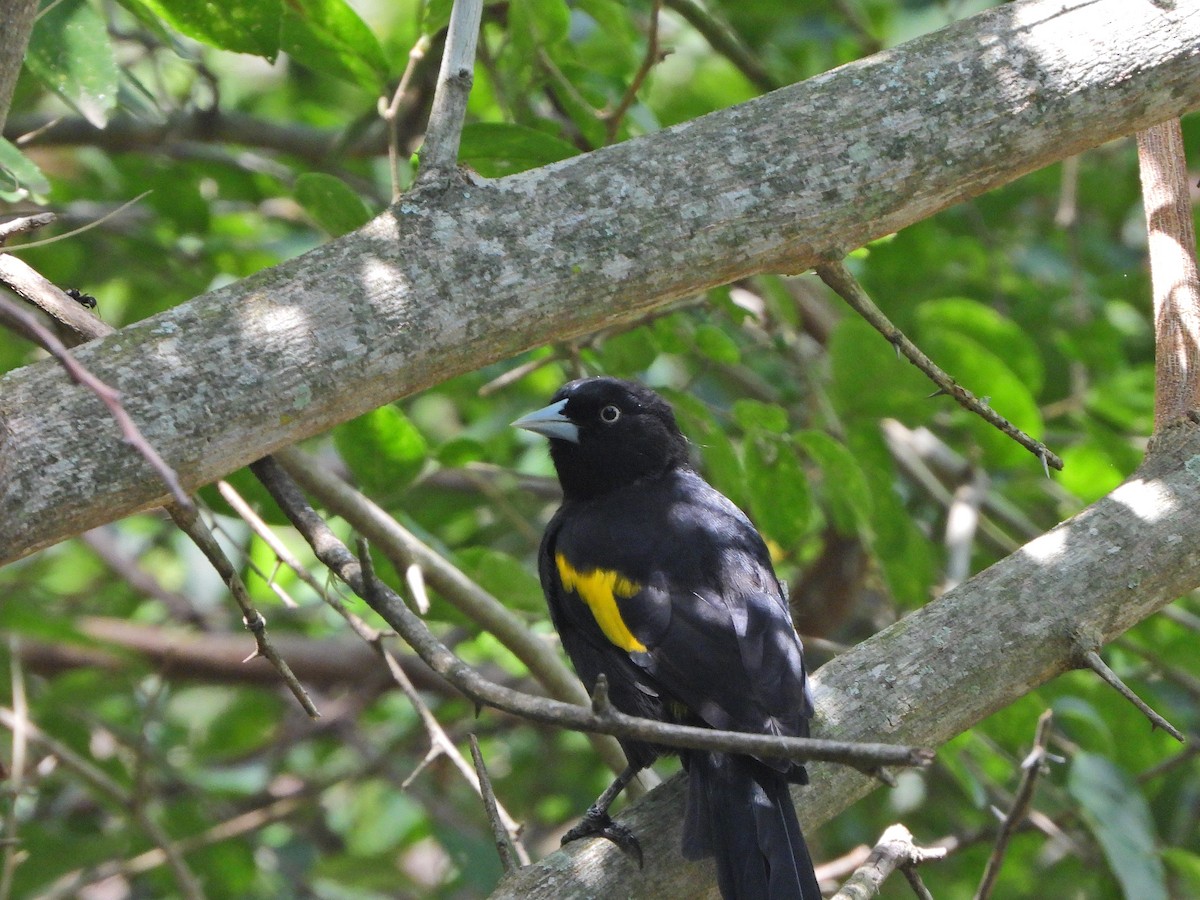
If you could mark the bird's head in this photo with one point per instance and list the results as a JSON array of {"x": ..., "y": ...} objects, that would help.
[{"x": 606, "y": 433}]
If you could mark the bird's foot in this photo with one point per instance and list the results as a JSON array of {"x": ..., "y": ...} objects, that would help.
[{"x": 598, "y": 823}]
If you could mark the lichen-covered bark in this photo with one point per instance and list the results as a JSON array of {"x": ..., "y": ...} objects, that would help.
[
  {"x": 458, "y": 275},
  {"x": 942, "y": 669}
]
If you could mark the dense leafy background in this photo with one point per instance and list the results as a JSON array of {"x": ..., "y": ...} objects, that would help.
[{"x": 253, "y": 125}]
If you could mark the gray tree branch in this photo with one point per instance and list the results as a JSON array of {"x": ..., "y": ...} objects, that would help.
[{"x": 455, "y": 276}]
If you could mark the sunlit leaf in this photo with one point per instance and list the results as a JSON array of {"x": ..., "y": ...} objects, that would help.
[
  {"x": 383, "y": 449},
  {"x": 495, "y": 149},
  {"x": 329, "y": 36},
  {"x": 780, "y": 501},
  {"x": 332, "y": 204},
  {"x": 69, "y": 51},
  {"x": 247, "y": 26}
]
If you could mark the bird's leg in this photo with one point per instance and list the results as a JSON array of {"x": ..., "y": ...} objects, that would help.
[{"x": 596, "y": 822}]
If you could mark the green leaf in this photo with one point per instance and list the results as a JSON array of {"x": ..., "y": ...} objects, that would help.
[
  {"x": 436, "y": 16},
  {"x": 844, "y": 485},
  {"x": 329, "y": 36},
  {"x": 1113, "y": 808},
  {"x": 1185, "y": 867},
  {"x": 779, "y": 495},
  {"x": 245, "y": 26},
  {"x": 371, "y": 816},
  {"x": 629, "y": 352},
  {"x": 1001, "y": 336},
  {"x": 505, "y": 578},
  {"x": 538, "y": 23},
  {"x": 1089, "y": 472},
  {"x": 754, "y": 415},
  {"x": 19, "y": 175},
  {"x": 69, "y": 52},
  {"x": 868, "y": 379},
  {"x": 719, "y": 461},
  {"x": 716, "y": 344},
  {"x": 383, "y": 449},
  {"x": 332, "y": 205},
  {"x": 459, "y": 451},
  {"x": 496, "y": 149}
]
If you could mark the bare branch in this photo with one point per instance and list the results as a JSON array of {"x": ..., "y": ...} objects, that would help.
[
  {"x": 1032, "y": 766},
  {"x": 725, "y": 41},
  {"x": 69, "y": 885},
  {"x": 439, "y": 741},
  {"x": 417, "y": 315},
  {"x": 16, "y": 773},
  {"x": 504, "y": 844},
  {"x": 191, "y": 525},
  {"x": 653, "y": 55},
  {"x": 25, "y": 224},
  {"x": 455, "y": 78},
  {"x": 390, "y": 112},
  {"x": 838, "y": 277},
  {"x": 1090, "y": 658},
  {"x": 894, "y": 850},
  {"x": 1176, "y": 282}
]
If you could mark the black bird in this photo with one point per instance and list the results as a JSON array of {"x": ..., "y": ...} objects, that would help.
[{"x": 658, "y": 582}]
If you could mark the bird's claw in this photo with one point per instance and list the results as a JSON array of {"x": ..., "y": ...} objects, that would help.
[{"x": 596, "y": 823}]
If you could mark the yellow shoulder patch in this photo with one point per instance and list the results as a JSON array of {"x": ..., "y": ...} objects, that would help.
[{"x": 599, "y": 589}]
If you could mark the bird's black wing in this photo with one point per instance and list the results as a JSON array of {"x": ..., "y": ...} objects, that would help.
[{"x": 667, "y": 586}]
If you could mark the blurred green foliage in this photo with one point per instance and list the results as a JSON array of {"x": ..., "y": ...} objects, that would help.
[{"x": 1035, "y": 296}]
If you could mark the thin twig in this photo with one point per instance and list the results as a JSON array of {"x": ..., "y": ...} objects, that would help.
[
  {"x": 612, "y": 120},
  {"x": 82, "y": 228},
  {"x": 16, "y": 770},
  {"x": 13, "y": 314},
  {"x": 27, "y": 283},
  {"x": 455, "y": 77},
  {"x": 913, "y": 877},
  {"x": 191, "y": 525},
  {"x": 895, "y": 849},
  {"x": 1173, "y": 271},
  {"x": 25, "y": 224},
  {"x": 725, "y": 41},
  {"x": 412, "y": 629},
  {"x": 503, "y": 844},
  {"x": 439, "y": 741},
  {"x": 1032, "y": 767},
  {"x": 1092, "y": 660},
  {"x": 101, "y": 782},
  {"x": 838, "y": 277},
  {"x": 390, "y": 112}
]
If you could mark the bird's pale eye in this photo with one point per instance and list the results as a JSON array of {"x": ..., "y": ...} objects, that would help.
[{"x": 610, "y": 414}]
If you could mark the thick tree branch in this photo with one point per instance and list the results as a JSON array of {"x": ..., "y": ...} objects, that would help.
[
  {"x": 1167, "y": 199},
  {"x": 455, "y": 276},
  {"x": 946, "y": 667}
]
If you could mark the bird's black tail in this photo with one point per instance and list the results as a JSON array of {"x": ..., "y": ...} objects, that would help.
[{"x": 740, "y": 811}]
